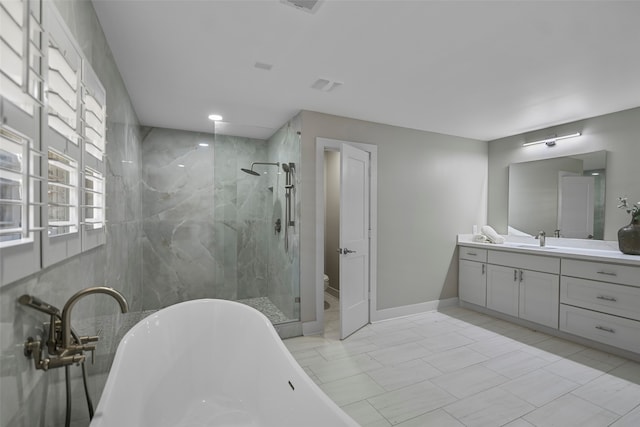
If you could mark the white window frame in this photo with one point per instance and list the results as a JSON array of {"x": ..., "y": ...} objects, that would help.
[{"x": 25, "y": 112}]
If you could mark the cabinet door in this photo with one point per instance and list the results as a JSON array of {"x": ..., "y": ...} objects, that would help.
[
  {"x": 502, "y": 289},
  {"x": 472, "y": 282},
  {"x": 539, "y": 297}
]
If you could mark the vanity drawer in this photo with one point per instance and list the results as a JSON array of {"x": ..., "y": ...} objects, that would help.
[
  {"x": 604, "y": 328},
  {"x": 473, "y": 254},
  {"x": 608, "y": 298},
  {"x": 604, "y": 272},
  {"x": 524, "y": 261}
]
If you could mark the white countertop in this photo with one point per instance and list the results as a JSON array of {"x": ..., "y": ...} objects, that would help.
[{"x": 593, "y": 250}]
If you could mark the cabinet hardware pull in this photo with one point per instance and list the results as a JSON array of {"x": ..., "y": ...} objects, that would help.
[
  {"x": 483, "y": 267},
  {"x": 521, "y": 273},
  {"x": 606, "y": 273},
  {"x": 607, "y": 298},
  {"x": 515, "y": 275},
  {"x": 472, "y": 253},
  {"x": 604, "y": 328}
]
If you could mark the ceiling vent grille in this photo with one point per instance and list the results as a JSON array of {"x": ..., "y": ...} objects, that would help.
[{"x": 310, "y": 6}]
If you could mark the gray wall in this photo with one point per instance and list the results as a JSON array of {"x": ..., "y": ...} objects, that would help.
[
  {"x": 430, "y": 188},
  {"x": 617, "y": 133},
  {"x": 27, "y": 396}
]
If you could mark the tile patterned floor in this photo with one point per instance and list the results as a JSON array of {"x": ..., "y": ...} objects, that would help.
[{"x": 456, "y": 367}]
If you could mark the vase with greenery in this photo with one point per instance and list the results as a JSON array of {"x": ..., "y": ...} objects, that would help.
[{"x": 629, "y": 235}]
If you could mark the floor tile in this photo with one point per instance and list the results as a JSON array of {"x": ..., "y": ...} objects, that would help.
[
  {"x": 553, "y": 349},
  {"x": 365, "y": 414},
  {"x": 569, "y": 411},
  {"x": 437, "y": 418},
  {"x": 539, "y": 387},
  {"x": 331, "y": 370},
  {"x": 578, "y": 369},
  {"x": 349, "y": 348},
  {"x": 307, "y": 357},
  {"x": 613, "y": 392},
  {"x": 515, "y": 364},
  {"x": 495, "y": 346},
  {"x": 494, "y": 407},
  {"x": 409, "y": 402},
  {"x": 631, "y": 419},
  {"x": 352, "y": 389},
  {"x": 438, "y": 343},
  {"x": 404, "y": 374},
  {"x": 459, "y": 367},
  {"x": 457, "y": 358},
  {"x": 399, "y": 353},
  {"x": 468, "y": 381}
]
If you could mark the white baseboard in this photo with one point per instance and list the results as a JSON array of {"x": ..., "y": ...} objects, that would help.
[{"x": 408, "y": 310}]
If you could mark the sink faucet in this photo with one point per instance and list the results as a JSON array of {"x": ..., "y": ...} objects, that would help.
[
  {"x": 543, "y": 238},
  {"x": 67, "y": 347}
]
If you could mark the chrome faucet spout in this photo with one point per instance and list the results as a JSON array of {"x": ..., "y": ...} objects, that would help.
[{"x": 66, "y": 311}]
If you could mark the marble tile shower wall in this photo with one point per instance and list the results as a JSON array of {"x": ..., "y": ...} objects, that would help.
[
  {"x": 284, "y": 264},
  {"x": 205, "y": 221},
  {"x": 35, "y": 398}
]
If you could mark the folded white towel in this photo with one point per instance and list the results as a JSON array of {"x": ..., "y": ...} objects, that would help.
[{"x": 491, "y": 234}]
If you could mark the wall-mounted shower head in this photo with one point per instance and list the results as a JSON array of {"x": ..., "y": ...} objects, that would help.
[
  {"x": 252, "y": 172},
  {"x": 285, "y": 167}
]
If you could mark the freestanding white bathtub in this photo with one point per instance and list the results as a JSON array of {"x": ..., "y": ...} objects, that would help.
[{"x": 210, "y": 363}]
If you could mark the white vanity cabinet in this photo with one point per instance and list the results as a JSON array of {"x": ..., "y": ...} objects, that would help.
[
  {"x": 583, "y": 293},
  {"x": 524, "y": 286},
  {"x": 601, "y": 301},
  {"x": 472, "y": 276}
]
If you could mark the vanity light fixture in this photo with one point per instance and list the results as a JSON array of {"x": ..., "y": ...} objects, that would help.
[
  {"x": 215, "y": 117},
  {"x": 551, "y": 141}
]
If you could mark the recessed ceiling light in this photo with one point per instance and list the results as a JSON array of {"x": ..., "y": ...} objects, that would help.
[{"x": 215, "y": 117}]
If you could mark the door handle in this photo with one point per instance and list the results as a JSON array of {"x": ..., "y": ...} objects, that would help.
[{"x": 348, "y": 251}]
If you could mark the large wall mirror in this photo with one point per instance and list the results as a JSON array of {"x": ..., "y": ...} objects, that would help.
[{"x": 562, "y": 196}]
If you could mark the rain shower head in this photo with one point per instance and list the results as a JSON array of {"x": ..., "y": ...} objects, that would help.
[{"x": 252, "y": 172}]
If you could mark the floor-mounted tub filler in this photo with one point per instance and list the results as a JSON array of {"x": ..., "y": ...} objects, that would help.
[{"x": 210, "y": 363}]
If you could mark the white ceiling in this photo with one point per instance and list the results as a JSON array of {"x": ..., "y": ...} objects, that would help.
[{"x": 477, "y": 69}]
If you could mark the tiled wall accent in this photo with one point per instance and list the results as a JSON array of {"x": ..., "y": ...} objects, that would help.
[
  {"x": 33, "y": 398},
  {"x": 205, "y": 221}
]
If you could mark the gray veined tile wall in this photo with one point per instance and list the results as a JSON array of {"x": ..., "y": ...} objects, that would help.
[
  {"x": 209, "y": 227},
  {"x": 204, "y": 219}
]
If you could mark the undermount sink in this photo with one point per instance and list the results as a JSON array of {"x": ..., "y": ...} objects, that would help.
[{"x": 535, "y": 246}]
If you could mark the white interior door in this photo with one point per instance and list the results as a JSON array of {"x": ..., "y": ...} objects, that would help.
[
  {"x": 354, "y": 240},
  {"x": 576, "y": 206}
]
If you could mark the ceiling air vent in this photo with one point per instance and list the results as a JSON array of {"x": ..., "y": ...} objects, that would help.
[{"x": 307, "y": 5}]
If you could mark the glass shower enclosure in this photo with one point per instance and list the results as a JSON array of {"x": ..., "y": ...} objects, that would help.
[{"x": 214, "y": 231}]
